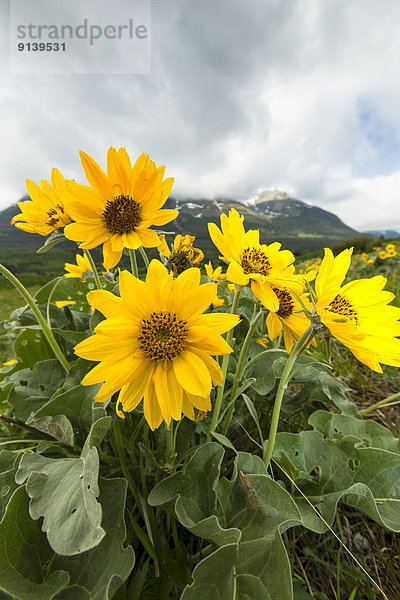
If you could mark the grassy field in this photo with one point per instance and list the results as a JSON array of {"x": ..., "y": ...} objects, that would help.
[
  {"x": 10, "y": 299},
  {"x": 319, "y": 561}
]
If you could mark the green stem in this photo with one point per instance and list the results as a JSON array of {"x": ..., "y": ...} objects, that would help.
[
  {"x": 140, "y": 501},
  {"x": 238, "y": 373},
  {"x": 144, "y": 256},
  {"x": 132, "y": 256},
  {"x": 170, "y": 444},
  {"x": 40, "y": 319},
  {"x": 297, "y": 350},
  {"x": 94, "y": 269},
  {"x": 365, "y": 411},
  {"x": 225, "y": 361}
]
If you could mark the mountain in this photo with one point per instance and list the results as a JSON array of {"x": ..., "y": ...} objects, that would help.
[
  {"x": 299, "y": 227},
  {"x": 385, "y": 233}
]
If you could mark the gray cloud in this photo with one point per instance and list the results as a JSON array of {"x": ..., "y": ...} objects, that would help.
[{"x": 242, "y": 96}]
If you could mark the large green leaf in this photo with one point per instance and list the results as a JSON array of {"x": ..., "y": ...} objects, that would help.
[
  {"x": 25, "y": 554},
  {"x": 319, "y": 384},
  {"x": 97, "y": 574},
  {"x": 252, "y": 512},
  {"x": 29, "y": 570},
  {"x": 76, "y": 404},
  {"x": 64, "y": 492},
  {"x": 33, "y": 387},
  {"x": 214, "y": 577},
  {"x": 370, "y": 433},
  {"x": 30, "y": 348},
  {"x": 344, "y": 469},
  {"x": 191, "y": 495}
]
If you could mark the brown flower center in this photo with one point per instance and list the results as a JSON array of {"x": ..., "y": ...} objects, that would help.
[
  {"x": 179, "y": 261},
  {"x": 286, "y": 304},
  {"x": 54, "y": 215},
  {"x": 122, "y": 214},
  {"x": 163, "y": 336},
  {"x": 255, "y": 261},
  {"x": 341, "y": 306}
]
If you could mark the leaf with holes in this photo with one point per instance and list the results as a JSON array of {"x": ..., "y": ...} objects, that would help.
[
  {"x": 370, "y": 433},
  {"x": 30, "y": 347},
  {"x": 33, "y": 388},
  {"x": 343, "y": 469},
  {"x": 63, "y": 491}
]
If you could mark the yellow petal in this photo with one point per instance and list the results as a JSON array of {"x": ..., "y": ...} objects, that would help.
[{"x": 192, "y": 373}]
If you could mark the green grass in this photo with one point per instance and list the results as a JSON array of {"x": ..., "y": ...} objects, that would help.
[
  {"x": 10, "y": 299},
  {"x": 327, "y": 570}
]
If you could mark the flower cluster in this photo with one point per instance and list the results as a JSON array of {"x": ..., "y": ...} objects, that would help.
[{"x": 159, "y": 336}]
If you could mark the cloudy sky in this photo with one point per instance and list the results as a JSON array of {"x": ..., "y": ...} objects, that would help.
[{"x": 299, "y": 95}]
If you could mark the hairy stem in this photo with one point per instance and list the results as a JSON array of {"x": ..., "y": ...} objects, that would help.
[
  {"x": 373, "y": 407},
  {"x": 300, "y": 346},
  {"x": 134, "y": 268},
  {"x": 238, "y": 373},
  {"x": 93, "y": 269},
  {"x": 221, "y": 387}
]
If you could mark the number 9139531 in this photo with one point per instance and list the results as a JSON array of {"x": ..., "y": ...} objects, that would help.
[{"x": 42, "y": 47}]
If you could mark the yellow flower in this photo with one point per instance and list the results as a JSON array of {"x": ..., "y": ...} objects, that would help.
[
  {"x": 218, "y": 302},
  {"x": 264, "y": 267},
  {"x": 390, "y": 248},
  {"x": 61, "y": 303},
  {"x": 263, "y": 341},
  {"x": 156, "y": 344},
  {"x": 382, "y": 255},
  {"x": 81, "y": 268},
  {"x": 12, "y": 361},
  {"x": 215, "y": 274},
  {"x": 118, "y": 208},
  {"x": 358, "y": 314},
  {"x": 45, "y": 211},
  {"x": 183, "y": 256},
  {"x": 290, "y": 315},
  {"x": 370, "y": 261}
]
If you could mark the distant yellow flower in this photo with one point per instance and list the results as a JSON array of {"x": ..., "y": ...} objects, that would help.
[
  {"x": 264, "y": 267},
  {"x": 81, "y": 269},
  {"x": 45, "y": 211},
  {"x": 358, "y": 314},
  {"x": 218, "y": 302},
  {"x": 215, "y": 274},
  {"x": 61, "y": 303},
  {"x": 183, "y": 255},
  {"x": 290, "y": 316},
  {"x": 156, "y": 344},
  {"x": 263, "y": 341},
  {"x": 12, "y": 361},
  {"x": 382, "y": 255},
  {"x": 370, "y": 261},
  {"x": 231, "y": 287},
  {"x": 118, "y": 208}
]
